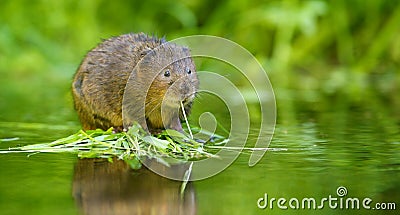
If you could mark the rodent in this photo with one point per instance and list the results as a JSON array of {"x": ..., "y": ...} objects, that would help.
[{"x": 149, "y": 69}]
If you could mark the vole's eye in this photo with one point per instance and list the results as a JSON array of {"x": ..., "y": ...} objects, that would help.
[
  {"x": 188, "y": 71},
  {"x": 167, "y": 73}
]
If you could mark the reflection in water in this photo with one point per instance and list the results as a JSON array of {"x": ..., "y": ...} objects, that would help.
[{"x": 101, "y": 187}]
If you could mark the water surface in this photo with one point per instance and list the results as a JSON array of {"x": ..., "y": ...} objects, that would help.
[{"x": 357, "y": 149}]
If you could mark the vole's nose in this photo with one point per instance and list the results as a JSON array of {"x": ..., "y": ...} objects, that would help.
[{"x": 188, "y": 99}]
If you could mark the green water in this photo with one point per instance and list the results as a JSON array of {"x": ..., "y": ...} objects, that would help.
[{"x": 323, "y": 150}]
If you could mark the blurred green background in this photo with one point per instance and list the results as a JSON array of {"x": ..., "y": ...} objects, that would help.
[
  {"x": 334, "y": 66},
  {"x": 319, "y": 52}
]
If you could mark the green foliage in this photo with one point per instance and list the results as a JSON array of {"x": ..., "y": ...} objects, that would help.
[{"x": 167, "y": 147}]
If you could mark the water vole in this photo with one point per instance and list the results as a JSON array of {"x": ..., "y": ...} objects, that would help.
[{"x": 154, "y": 75}]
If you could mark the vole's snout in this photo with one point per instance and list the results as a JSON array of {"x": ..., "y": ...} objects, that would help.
[
  {"x": 185, "y": 101},
  {"x": 188, "y": 99}
]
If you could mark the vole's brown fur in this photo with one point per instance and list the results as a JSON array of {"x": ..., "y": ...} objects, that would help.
[{"x": 139, "y": 72}]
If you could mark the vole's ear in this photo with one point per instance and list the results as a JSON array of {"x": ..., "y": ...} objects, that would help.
[
  {"x": 186, "y": 50},
  {"x": 145, "y": 52}
]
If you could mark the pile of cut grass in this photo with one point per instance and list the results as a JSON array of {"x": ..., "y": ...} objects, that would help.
[{"x": 168, "y": 147}]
